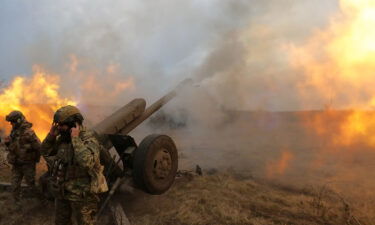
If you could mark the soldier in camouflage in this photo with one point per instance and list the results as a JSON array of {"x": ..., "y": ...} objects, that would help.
[
  {"x": 23, "y": 148},
  {"x": 74, "y": 169},
  {"x": 2, "y": 149}
]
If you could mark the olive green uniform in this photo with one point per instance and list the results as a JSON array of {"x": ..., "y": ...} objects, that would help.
[
  {"x": 24, "y": 153},
  {"x": 70, "y": 180}
]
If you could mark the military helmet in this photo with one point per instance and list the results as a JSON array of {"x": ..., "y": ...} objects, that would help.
[
  {"x": 15, "y": 116},
  {"x": 68, "y": 114}
]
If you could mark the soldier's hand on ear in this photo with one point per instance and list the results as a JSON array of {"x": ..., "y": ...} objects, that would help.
[
  {"x": 54, "y": 131},
  {"x": 74, "y": 132}
]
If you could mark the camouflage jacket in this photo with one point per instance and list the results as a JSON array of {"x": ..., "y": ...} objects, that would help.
[
  {"x": 70, "y": 163},
  {"x": 24, "y": 146}
]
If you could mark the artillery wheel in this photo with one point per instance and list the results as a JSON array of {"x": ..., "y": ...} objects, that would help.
[{"x": 155, "y": 164}]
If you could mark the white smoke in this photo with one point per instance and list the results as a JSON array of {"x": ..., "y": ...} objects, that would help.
[{"x": 233, "y": 48}]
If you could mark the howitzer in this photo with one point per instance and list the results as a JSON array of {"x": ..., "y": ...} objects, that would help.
[
  {"x": 150, "y": 166},
  {"x": 153, "y": 163}
]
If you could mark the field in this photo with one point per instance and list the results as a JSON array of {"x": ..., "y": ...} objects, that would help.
[{"x": 259, "y": 168}]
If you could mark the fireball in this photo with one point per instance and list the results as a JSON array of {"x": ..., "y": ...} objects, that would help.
[
  {"x": 338, "y": 66},
  {"x": 37, "y": 97}
]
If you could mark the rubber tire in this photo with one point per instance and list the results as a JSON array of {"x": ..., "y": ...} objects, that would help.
[{"x": 143, "y": 164}]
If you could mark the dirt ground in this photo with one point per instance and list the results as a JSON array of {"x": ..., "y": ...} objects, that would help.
[{"x": 261, "y": 168}]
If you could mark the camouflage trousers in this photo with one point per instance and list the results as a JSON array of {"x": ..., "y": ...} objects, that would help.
[
  {"x": 83, "y": 212},
  {"x": 19, "y": 172}
]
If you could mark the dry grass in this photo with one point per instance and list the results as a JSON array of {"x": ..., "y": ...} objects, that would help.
[
  {"x": 224, "y": 199},
  {"x": 213, "y": 199}
]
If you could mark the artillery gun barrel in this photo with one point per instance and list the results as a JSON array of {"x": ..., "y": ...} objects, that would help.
[
  {"x": 133, "y": 114},
  {"x": 126, "y": 119},
  {"x": 114, "y": 123},
  {"x": 148, "y": 112},
  {"x": 118, "y": 120},
  {"x": 154, "y": 108}
]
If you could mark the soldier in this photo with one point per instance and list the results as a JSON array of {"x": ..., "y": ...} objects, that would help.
[
  {"x": 23, "y": 148},
  {"x": 2, "y": 148},
  {"x": 76, "y": 173}
]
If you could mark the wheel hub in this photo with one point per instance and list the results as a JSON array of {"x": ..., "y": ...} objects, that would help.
[{"x": 162, "y": 164}]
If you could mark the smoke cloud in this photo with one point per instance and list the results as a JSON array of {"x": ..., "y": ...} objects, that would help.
[{"x": 234, "y": 49}]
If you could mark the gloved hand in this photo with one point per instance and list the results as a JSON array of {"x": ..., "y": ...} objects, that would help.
[{"x": 54, "y": 131}]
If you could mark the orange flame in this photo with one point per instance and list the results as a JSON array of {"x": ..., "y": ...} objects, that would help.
[
  {"x": 278, "y": 167},
  {"x": 36, "y": 97},
  {"x": 342, "y": 127},
  {"x": 359, "y": 126},
  {"x": 339, "y": 65}
]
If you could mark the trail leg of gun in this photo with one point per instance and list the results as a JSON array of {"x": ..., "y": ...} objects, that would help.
[
  {"x": 118, "y": 213},
  {"x": 109, "y": 196}
]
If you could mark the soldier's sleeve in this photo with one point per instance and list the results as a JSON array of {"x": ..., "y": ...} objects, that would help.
[
  {"x": 47, "y": 146},
  {"x": 34, "y": 140},
  {"x": 85, "y": 151}
]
